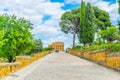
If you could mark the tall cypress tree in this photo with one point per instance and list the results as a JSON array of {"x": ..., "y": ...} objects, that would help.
[
  {"x": 82, "y": 17},
  {"x": 89, "y": 28}
]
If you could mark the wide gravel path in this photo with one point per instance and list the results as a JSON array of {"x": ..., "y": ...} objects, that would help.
[{"x": 62, "y": 66}]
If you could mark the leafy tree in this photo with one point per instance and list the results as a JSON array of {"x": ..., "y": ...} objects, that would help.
[
  {"x": 109, "y": 34},
  {"x": 1, "y": 41},
  {"x": 102, "y": 19},
  {"x": 98, "y": 41},
  {"x": 17, "y": 36},
  {"x": 1, "y": 38},
  {"x": 25, "y": 37},
  {"x": 47, "y": 49},
  {"x": 37, "y": 47},
  {"x": 70, "y": 22},
  {"x": 88, "y": 29},
  {"x": 119, "y": 27},
  {"x": 82, "y": 23}
]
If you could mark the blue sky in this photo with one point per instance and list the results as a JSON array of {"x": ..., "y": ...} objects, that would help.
[
  {"x": 111, "y": 1},
  {"x": 45, "y": 15}
]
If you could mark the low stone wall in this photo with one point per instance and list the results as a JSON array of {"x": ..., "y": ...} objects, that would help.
[
  {"x": 21, "y": 62},
  {"x": 6, "y": 68},
  {"x": 99, "y": 57},
  {"x": 113, "y": 61}
]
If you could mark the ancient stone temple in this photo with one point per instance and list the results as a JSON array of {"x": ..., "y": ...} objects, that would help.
[{"x": 57, "y": 46}]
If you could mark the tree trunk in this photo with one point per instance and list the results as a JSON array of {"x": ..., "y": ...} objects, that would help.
[
  {"x": 74, "y": 39},
  {"x": 84, "y": 44},
  {"x": 90, "y": 44},
  {"x": 11, "y": 59}
]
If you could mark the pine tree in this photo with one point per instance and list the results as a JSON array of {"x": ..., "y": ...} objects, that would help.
[{"x": 70, "y": 23}]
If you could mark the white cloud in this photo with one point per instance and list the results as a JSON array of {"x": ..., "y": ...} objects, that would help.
[
  {"x": 49, "y": 28},
  {"x": 46, "y": 31},
  {"x": 36, "y": 10},
  {"x": 52, "y": 9},
  {"x": 112, "y": 9},
  {"x": 66, "y": 38}
]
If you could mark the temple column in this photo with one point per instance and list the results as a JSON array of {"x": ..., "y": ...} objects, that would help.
[{"x": 61, "y": 47}]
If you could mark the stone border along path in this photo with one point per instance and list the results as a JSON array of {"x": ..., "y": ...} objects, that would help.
[{"x": 61, "y": 66}]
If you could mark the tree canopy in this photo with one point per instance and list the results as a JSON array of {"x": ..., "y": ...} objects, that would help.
[
  {"x": 17, "y": 36},
  {"x": 102, "y": 19},
  {"x": 70, "y": 22},
  {"x": 109, "y": 34}
]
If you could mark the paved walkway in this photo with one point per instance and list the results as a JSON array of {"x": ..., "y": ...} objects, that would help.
[{"x": 61, "y": 66}]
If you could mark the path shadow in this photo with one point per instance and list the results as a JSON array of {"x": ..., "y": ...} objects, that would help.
[{"x": 14, "y": 75}]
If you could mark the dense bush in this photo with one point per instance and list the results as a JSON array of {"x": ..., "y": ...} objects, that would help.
[
  {"x": 47, "y": 49},
  {"x": 113, "y": 47}
]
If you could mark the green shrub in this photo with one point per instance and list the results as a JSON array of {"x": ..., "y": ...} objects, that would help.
[
  {"x": 114, "y": 47},
  {"x": 47, "y": 49}
]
